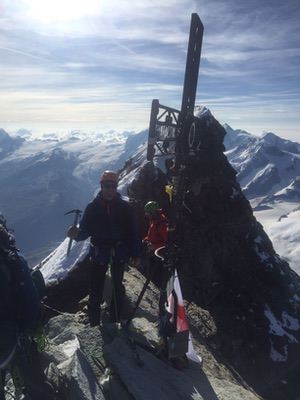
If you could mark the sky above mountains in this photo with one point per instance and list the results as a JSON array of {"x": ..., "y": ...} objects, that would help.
[{"x": 97, "y": 64}]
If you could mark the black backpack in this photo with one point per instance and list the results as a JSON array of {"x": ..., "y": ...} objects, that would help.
[
  {"x": 19, "y": 297},
  {"x": 8, "y": 289}
]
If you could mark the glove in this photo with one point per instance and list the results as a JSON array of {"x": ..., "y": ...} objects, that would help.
[
  {"x": 150, "y": 248},
  {"x": 72, "y": 232}
]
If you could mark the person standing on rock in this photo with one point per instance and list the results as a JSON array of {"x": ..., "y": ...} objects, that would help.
[
  {"x": 156, "y": 238},
  {"x": 109, "y": 221}
]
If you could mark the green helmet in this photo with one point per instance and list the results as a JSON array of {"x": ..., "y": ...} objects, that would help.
[{"x": 151, "y": 207}]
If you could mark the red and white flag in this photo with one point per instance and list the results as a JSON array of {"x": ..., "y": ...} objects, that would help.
[{"x": 181, "y": 319}]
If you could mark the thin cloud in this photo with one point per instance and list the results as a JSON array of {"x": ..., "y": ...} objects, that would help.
[
  {"x": 130, "y": 53},
  {"x": 23, "y": 53}
]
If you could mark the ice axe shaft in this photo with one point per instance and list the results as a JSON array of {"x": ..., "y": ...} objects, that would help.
[
  {"x": 76, "y": 220},
  {"x": 158, "y": 253},
  {"x": 141, "y": 295}
]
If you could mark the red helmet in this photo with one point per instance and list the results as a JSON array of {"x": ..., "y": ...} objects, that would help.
[{"x": 109, "y": 176}]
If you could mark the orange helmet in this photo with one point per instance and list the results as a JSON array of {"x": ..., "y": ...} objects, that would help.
[{"x": 109, "y": 176}]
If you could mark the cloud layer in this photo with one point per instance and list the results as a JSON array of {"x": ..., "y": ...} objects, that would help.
[{"x": 100, "y": 67}]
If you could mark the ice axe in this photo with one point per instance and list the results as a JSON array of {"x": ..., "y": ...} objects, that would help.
[{"x": 76, "y": 220}]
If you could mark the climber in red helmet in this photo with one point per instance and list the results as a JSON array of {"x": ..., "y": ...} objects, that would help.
[{"x": 109, "y": 221}]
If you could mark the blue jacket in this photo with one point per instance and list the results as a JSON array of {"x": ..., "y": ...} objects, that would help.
[{"x": 112, "y": 227}]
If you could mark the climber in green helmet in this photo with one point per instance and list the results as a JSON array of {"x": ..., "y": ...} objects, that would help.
[
  {"x": 151, "y": 208},
  {"x": 156, "y": 238}
]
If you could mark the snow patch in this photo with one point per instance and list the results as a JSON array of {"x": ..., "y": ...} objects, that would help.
[
  {"x": 258, "y": 239},
  {"x": 289, "y": 322},
  {"x": 235, "y": 193},
  {"x": 58, "y": 265},
  {"x": 201, "y": 112},
  {"x": 70, "y": 346},
  {"x": 277, "y": 327},
  {"x": 263, "y": 256},
  {"x": 276, "y": 356}
]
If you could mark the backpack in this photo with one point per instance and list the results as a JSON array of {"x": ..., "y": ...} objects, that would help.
[{"x": 19, "y": 298}]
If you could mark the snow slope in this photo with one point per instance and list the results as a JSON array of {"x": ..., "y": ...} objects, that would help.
[
  {"x": 57, "y": 265},
  {"x": 268, "y": 169}
]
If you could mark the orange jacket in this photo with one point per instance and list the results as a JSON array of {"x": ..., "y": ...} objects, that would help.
[{"x": 158, "y": 231}]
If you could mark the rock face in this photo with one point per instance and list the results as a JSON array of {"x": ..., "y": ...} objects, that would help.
[
  {"x": 98, "y": 363},
  {"x": 228, "y": 267}
]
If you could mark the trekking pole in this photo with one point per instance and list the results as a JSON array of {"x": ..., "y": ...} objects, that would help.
[
  {"x": 76, "y": 219},
  {"x": 138, "y": 302},
  {"x": 112, "y": 253},
  {"x": 160, "y": 254}
]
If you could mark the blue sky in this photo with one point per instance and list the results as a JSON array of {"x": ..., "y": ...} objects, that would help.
[{"x": 97, "y": 64}]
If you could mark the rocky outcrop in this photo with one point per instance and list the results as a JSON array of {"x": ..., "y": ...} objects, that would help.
[
  {"x": 99, "y": 363},
  {"x": 229, "y": 268}
]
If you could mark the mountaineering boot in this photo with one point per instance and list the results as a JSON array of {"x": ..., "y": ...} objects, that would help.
[
  {"x": 94, "y": 316},
  {"x": 180, "y": 363}
]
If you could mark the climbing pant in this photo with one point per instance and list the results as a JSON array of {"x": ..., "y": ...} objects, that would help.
[{"x": 97, "y": 280}]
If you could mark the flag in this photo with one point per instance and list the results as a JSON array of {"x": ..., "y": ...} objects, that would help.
[{"x": 175, "y": 306}]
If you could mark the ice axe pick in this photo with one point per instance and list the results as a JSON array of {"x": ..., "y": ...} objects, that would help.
[{"x": 76, "y": 220}]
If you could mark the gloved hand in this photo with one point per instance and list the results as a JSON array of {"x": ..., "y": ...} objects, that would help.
[
  {"x": 134, "y": 261},
  {"x": 148, "y": 247},
  {"x": 72, "y": 232}
]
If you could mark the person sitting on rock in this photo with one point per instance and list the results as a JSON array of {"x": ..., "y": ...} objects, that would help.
[
  {"x": 20, "y": 312},
  {"x": 109, "y": 221}
]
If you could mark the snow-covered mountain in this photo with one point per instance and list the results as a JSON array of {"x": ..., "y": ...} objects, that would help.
[
  {"x": 8, "y": 144},
  {"x": 41, "y": 179},
  {"x": 266, "y": 165},
  {"x": 268, "y": 170},
  {"x": 44, "y": 177}
]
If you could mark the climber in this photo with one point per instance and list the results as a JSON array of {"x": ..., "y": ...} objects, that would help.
[
  {"x": 156, "y": 243},
  {"x": 149, "y": 184},
  {"x": 20, "y": 314},
  {"x": 155, "y": 239},
  {"x": 109, "y": 221},
  {"x": 158, "y": 227}
]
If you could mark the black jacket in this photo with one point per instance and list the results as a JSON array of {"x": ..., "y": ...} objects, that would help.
[{"x": 110, "y": 223}]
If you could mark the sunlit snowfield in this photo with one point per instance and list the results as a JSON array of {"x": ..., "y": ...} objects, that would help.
[{"x": 281, "y": 224}]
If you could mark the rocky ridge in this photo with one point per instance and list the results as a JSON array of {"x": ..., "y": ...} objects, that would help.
[
  {"x": 98, "y": 363},
  {"x": 243, "y": 301}
]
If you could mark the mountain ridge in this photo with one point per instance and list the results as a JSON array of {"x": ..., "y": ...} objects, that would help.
[{"x": 261, "y": 163}]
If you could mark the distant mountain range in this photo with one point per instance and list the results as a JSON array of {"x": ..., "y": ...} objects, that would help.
[
  {"x": 268, "y": 170},
  {"x": 42, "y": 178},
  {"x": 267, "y": 166}
]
